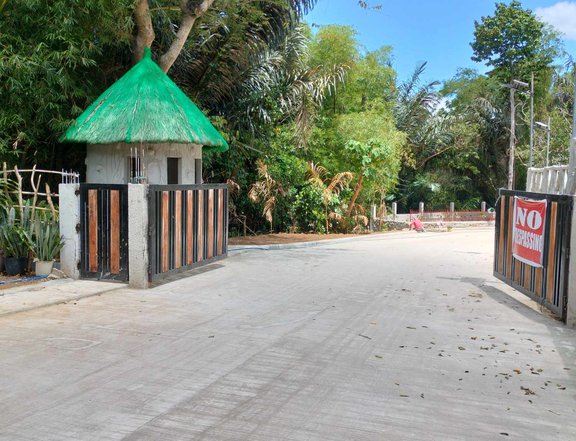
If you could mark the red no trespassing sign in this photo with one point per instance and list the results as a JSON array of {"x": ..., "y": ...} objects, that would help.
[{"x": 528, "y": 231}]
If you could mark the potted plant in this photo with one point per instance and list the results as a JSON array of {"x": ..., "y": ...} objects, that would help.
[
  {"x": 46, "y": 244},
  {"x": 15, "y": 242}
]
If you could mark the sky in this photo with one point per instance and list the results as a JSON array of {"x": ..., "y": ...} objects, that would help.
[{"x": 436, "y": 31}]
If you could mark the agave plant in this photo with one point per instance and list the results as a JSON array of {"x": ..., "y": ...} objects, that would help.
[
  {"x": 15, "y": 240},
  {"x": 46, "y": 242}
]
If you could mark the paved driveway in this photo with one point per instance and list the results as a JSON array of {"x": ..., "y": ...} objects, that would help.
[{"x": 398, "y": 337}]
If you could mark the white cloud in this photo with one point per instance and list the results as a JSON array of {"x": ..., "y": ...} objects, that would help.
[{"x": 562, "y": 16}]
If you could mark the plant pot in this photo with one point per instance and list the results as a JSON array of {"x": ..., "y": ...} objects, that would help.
[
  {"x": 43, "y": 267},
  {"x": 15, "y": 265}
]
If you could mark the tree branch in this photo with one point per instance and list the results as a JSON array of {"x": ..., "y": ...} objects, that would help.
[
  {"x": 438, "y": 153},
  {"x": 189, "y": 17}
]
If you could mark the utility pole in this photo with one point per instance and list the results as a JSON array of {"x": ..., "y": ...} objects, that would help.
[
  {"x": 571, "y": 185},
  {"x": 548, "y": 129},
  {"x": 531, "y": 118},
  {"x": 548, "y": 141},
  {"x": 512, "y": 148}
]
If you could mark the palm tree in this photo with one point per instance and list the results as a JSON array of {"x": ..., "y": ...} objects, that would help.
[
  {"x": 266, "y": 190},
  {"x": 318, "y": 175}
]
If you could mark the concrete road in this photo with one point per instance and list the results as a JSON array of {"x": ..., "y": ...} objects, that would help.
[{"x": 400, "y": 337}]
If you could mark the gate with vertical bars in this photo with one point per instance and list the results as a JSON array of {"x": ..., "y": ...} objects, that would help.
[
  {"x": 188, "y": 227},
  {"x": 104, "y": 232},
  {"x": 547, "y": 285}
]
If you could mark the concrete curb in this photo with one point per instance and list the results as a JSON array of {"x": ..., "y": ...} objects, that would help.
[
  {"x": 53, "y": 292},
  {"x": 296, "y": 245}
]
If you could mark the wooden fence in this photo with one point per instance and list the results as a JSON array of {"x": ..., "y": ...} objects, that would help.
[
  {"x": 547, "y": 285},
  {"x": 188, "y": 227}
]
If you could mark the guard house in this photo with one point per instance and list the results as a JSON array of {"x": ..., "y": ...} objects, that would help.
[
  {"x": 143, "y": 211},
  {"x": 144, "y": 128}
]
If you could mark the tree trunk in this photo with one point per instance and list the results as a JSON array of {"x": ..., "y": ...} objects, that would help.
[
  {"x": 355, "y": 195},
  {"x": 144, "y": 30},
  {"x": 188, "y": 20}
]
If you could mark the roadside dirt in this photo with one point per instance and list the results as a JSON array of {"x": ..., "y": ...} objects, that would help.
[
  {"x": 280, "y": 238},
  {"x": 13, "y": 284}
]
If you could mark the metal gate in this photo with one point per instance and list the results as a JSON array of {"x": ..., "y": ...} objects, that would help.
[
  {"x": 547, "y": 285},
  {"x": 188, "y": 227},
  {"x": 103, "y": 231}
]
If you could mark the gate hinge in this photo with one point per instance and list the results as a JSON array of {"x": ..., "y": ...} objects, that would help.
[{"x": 78, "y": 229}]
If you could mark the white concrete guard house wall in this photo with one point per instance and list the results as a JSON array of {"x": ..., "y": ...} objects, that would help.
[
  {"x": 69, "y": 197},
  {"x": 109, "y": 163}
]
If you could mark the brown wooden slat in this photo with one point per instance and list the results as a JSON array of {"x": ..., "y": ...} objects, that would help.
[
  {"x": 165, "y": 246},
  {"x": 178, "y": 229},
  {"x": 93, "y": 230},
  {"x": 189, "y": 220},
  {"x": 114, "y": 231},
  {"x": 220, "y": 237},
  {"x": 210, "y": 239},
  {"x": 551, "y": 253},
  {"x": 527, "y": 276},
  {"x": 538, "y": 282},
  {"x": 517, "y": 266},
  {"x": 200, "y": 232},
  {"x": 501, "y": 236},
  {"x": 509, "y": 238}
]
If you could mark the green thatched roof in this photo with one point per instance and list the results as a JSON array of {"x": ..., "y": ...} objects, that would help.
[{"x": 144, "y": 106}]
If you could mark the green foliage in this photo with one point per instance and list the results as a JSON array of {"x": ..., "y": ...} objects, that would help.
[
  {"x": 334, "y": 45},
  {"x": 308, "y": 209},
  {"x": 372, "y": 147},
  {"x": 514, "y": 42},
  {"x": 52, "y": 65}
]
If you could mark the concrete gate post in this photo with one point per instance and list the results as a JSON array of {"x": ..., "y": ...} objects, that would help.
[
  {"x": 69, "y": 207},
  {"x": 373, "y": 218},
  {"x": 394, "y": 210},
  {"x": 571, "y": 307},
  {"x": 138, "y": 236}
]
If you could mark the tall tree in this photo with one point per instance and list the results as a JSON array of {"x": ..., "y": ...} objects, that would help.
[{"x": 514, "y": 42}]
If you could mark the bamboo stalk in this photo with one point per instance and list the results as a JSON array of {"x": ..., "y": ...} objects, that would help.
[
  {"x": 5, "y": 174},
  {"x": 50, "y": 203},
  {"x": 35, "y": 189},
  {"x": 20, "y": 199}
]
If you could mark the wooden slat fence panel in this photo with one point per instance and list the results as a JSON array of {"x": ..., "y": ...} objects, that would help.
[
  {"x": 188, "y": 227},
  {"x": 104, "y": 232},
  {"x": 547, "y": 285}
]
